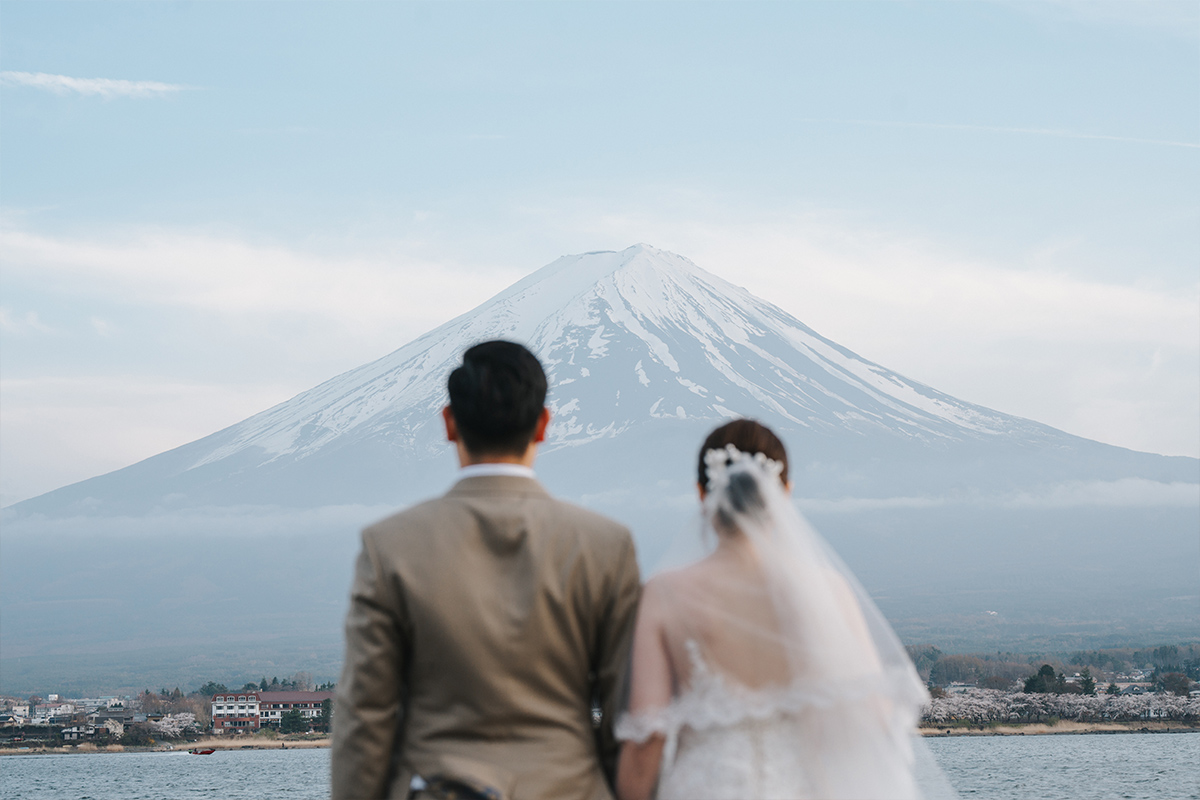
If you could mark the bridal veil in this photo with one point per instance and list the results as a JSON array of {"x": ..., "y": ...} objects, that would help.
[{"x": 825, "y": 659}]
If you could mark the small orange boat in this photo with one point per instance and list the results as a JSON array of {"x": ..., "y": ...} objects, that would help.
[{"x": 207, "y": 751}]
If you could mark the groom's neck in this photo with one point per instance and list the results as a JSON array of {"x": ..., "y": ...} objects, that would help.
[{"x": 466, "y": 458}]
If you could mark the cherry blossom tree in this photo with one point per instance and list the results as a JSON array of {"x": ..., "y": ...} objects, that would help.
[
  {"x": 173, "y": 726},
  {"x": 983, "y": 706}
]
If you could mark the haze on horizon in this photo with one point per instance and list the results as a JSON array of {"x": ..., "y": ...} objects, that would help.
[{"x": 209, "y": 208}]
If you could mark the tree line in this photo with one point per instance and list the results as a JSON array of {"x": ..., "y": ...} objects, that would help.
[
  {"x": 300, "y": 682},
  {"x": 1174, "y": 668}
]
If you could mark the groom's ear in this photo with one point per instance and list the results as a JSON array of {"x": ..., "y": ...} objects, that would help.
[
  {"x": 451, "y": 425},
  {"x": 539, "y": 430}
]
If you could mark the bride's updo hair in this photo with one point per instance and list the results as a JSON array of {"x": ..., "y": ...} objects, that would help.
[
  {"x": 742, "y": 491},
  {"x": 749, "y": 436}
]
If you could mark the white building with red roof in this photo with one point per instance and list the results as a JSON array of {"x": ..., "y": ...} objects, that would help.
[
  {"x": 252, "y": 710},
  {"x": 235, "y": 711},
  {"x": 275, "y": 704}
]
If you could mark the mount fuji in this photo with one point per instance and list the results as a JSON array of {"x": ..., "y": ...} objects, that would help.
[{"x": 971, "y": 527}]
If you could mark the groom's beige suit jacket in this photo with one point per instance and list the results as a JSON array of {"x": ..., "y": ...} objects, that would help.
[{"x": 483, "y": 625}]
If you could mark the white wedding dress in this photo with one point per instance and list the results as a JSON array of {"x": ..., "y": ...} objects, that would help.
[
  {"x": 827, "y": 701},
  {"x": 726, "y": 741}
]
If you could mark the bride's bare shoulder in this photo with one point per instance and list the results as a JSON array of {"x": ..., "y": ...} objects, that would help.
[
  {"x": 673, "y": 578},
  {"x": 660, "y": 586},
  {"x": 674, "y": 583}
]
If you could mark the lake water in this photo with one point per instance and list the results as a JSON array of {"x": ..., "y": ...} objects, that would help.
[
  {"x": 1085, "y": 767},
  {"x": 1072, "y": 767}
]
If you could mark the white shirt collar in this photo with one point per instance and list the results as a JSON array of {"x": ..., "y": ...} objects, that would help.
[{"x": 480, "y": 470}]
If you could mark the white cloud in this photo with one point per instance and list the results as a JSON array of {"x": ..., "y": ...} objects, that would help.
[
  {"x": 813, "y": 262},
  {"x": 102, "y": 87},
  {"x": 102, "y": 327},
  {"x": 1054, "y": 132},
  {"x": 61, "y": 430},
  {"x": 1123, "y": 493},
  {"x": 365, "y": 293},
  {"x": 852, "y": 505},
  {"x": 1180, "y": 18},
  {"x": 20, "y": 324}
]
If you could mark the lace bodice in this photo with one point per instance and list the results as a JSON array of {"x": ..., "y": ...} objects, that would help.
[
  {"x": 725, "y": 740},
  {"x": 711, "y": 701}
]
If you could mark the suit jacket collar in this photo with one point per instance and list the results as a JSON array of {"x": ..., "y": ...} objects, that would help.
[{"x": 497, "y": 485}]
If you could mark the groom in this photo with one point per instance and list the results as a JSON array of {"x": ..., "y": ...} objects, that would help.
[{"x": 485, "y": 624}]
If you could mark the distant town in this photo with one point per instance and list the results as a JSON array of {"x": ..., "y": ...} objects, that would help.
[
  {"x": 1118, "y": 686},
  {"x": 147, "y": 719}
]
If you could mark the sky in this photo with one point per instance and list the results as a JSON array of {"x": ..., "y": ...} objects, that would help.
[{"x": 206, "y": 208}]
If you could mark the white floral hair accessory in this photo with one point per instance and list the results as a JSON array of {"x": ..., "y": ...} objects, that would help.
[{"x": 719, "y": 460}]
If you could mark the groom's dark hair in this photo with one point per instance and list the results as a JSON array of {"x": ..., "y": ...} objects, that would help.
[{"x": 496, "y": 397}]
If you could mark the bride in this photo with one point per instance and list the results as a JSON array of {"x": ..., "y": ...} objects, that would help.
[{"x": 763, "y": 670}]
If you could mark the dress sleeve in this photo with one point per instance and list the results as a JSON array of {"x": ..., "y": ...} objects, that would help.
[
  {"x": 368, "y": 703},
  {"x": 651, "y": 676},
  {"x": 639, "y": 726}
]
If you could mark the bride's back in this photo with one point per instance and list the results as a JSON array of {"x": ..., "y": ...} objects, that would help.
[
  {"x": 722, "y": 605},
  {"x": 754, "y": 671}
]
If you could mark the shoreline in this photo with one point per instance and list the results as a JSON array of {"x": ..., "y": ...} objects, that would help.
[
  {"x": 1060, "y": 728},
  {"x": 232, "y": 743},
  {"x": 219, "y": 743}
]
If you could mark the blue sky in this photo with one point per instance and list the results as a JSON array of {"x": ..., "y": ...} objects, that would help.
[{"x": 208, "y": 207}]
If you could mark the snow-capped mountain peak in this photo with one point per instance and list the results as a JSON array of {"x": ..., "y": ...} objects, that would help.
[{"x": 626, "y": 337}]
